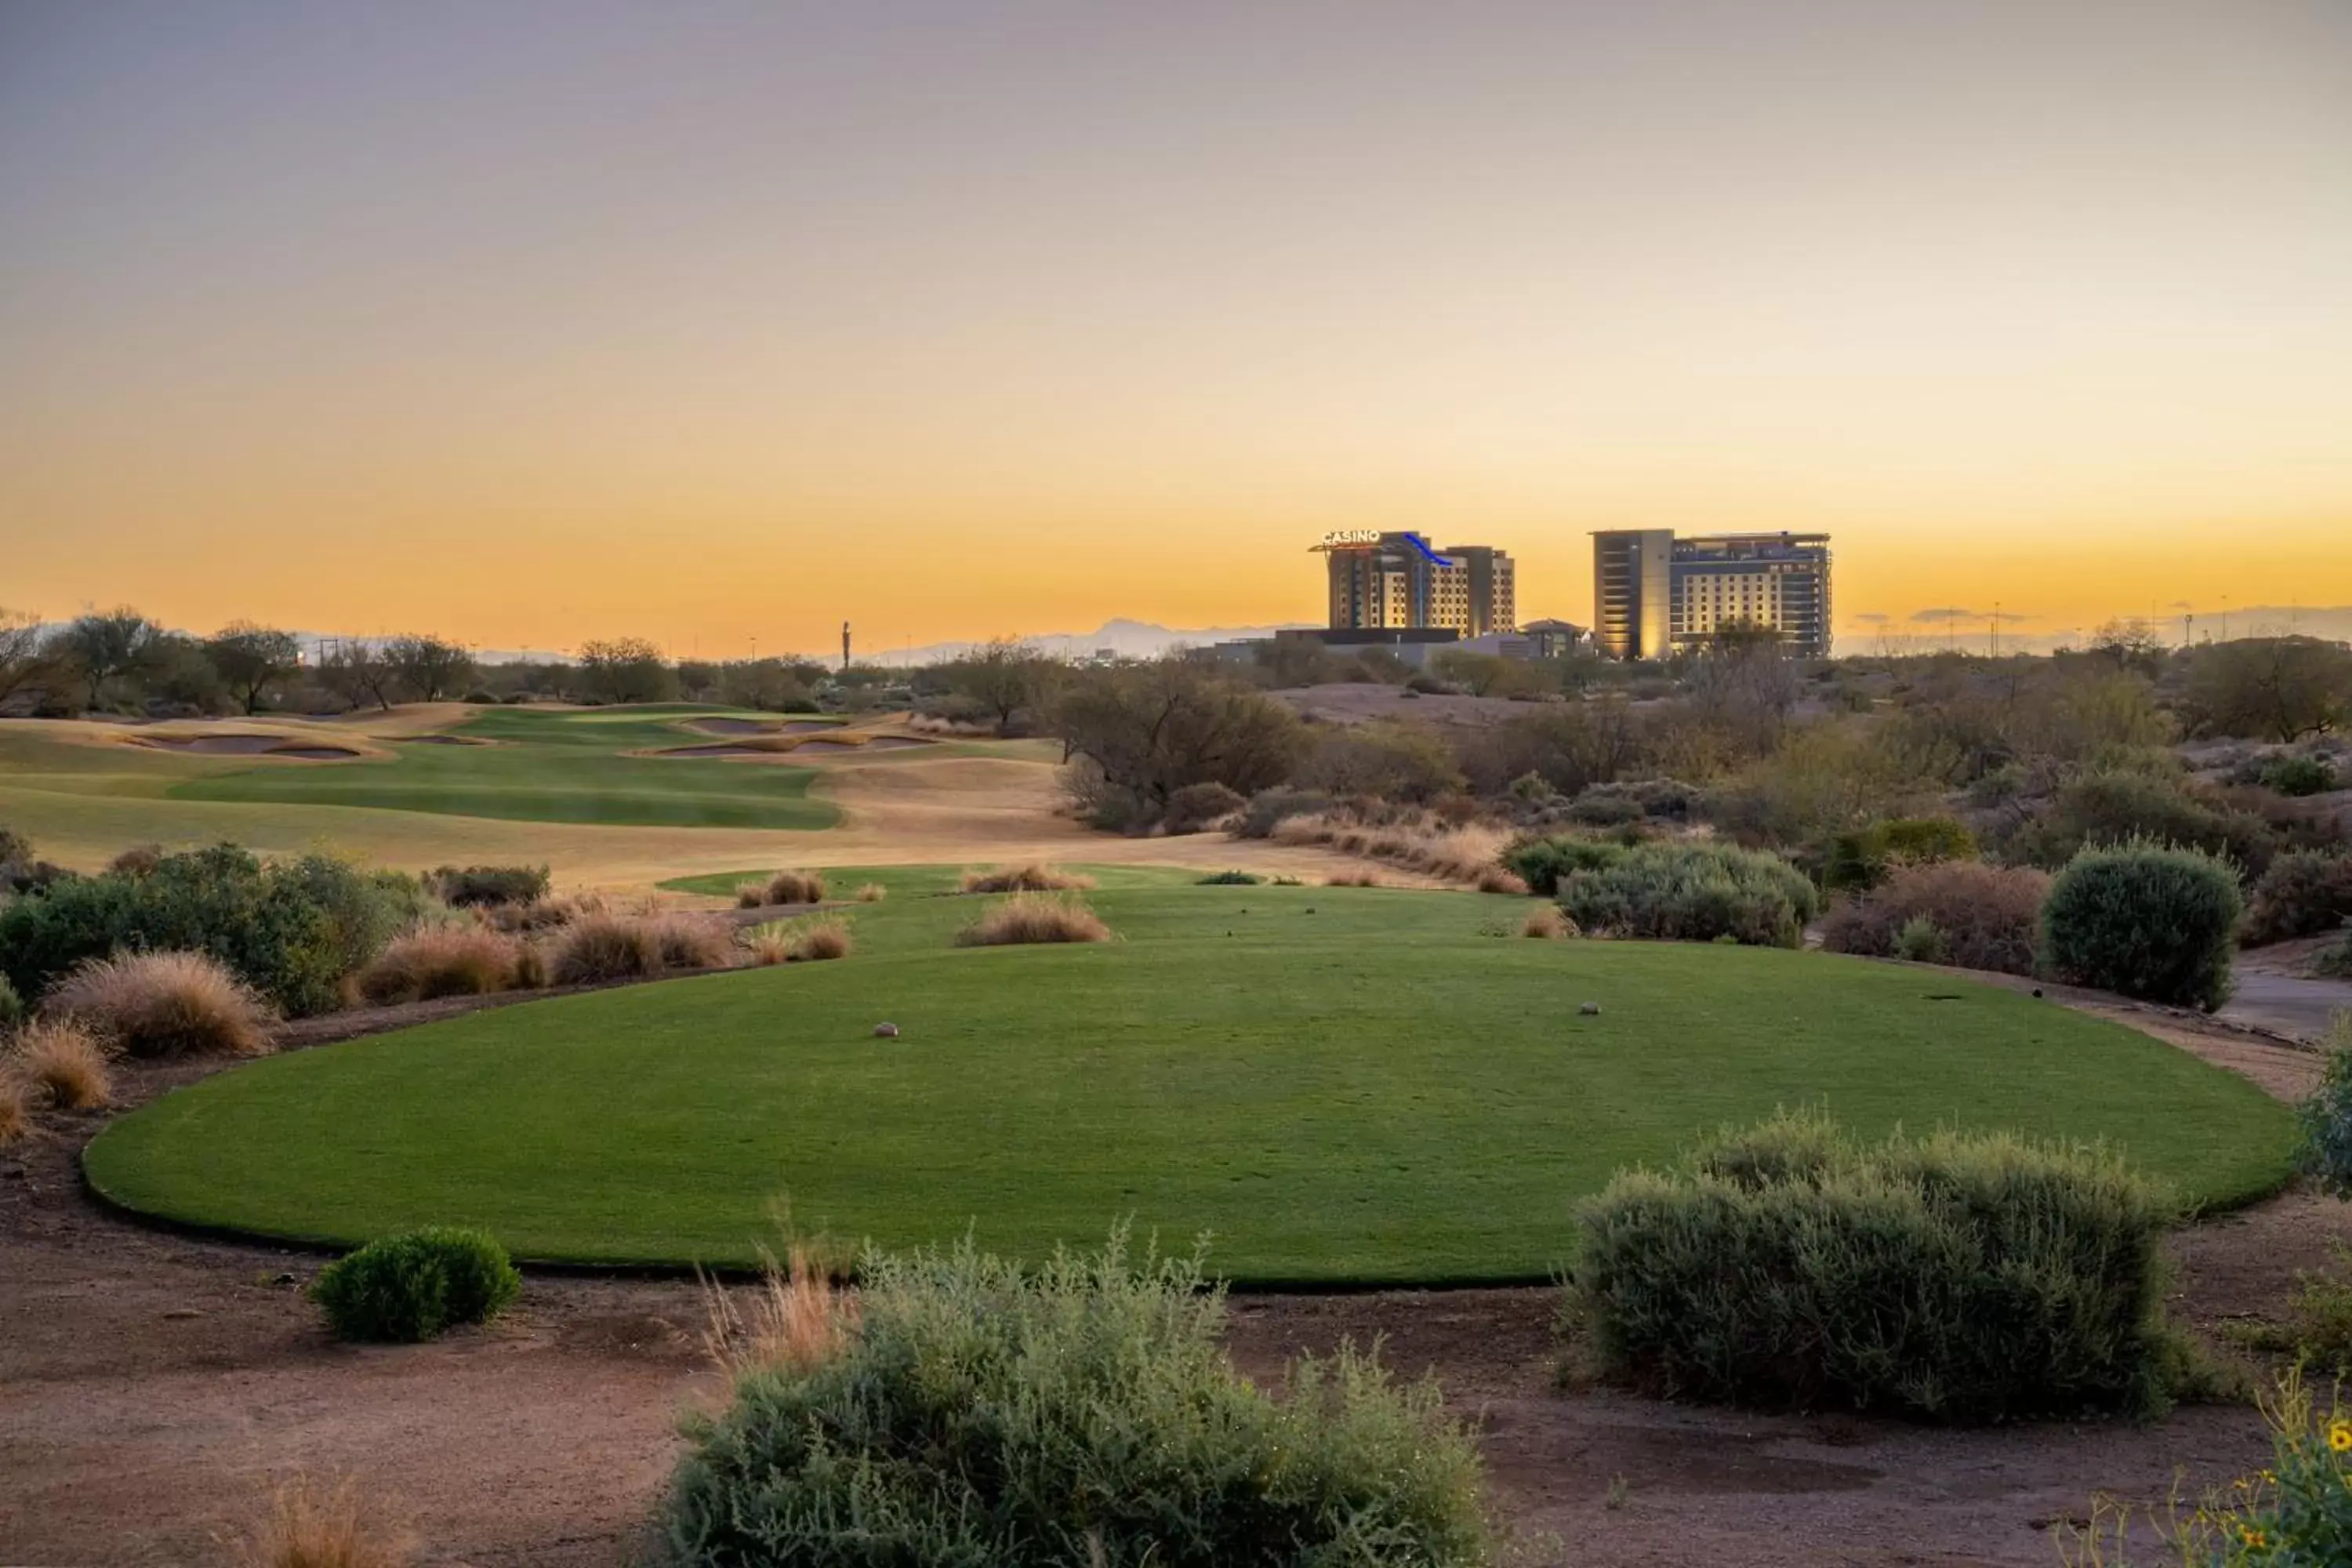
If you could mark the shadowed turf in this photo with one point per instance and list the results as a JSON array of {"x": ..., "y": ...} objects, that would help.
[
  {"x": 1343, "y": 1085},
  {"x": 549, "y": 766}
]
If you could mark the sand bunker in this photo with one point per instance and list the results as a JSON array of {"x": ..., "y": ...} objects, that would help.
[
  {"x": 720, "y": 750},
  {"x": 446, "y": 741},
  {"x": 734, "y": 726},
  {"x": 245, "y": 746},
  {"x": 889, "y": 743}
]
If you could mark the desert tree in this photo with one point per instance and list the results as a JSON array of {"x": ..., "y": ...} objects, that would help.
[
  {"x": 108, "y": 645},
  {"x": 2280, "y": 689},
  {"x": 25, "y": 653},
  {"x": 428, "y": 668},
  {"x": 251, "y": 660},
  {"x": 1004, "y": 675},
  {"x": 357, "y": 672},
  {"x": 626, "y": 670},
  {"x": 1148, "y": 730}
]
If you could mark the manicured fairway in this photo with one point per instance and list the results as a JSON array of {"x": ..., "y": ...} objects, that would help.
[
  {"x": 1381, "y": 1089},
  {"x": 558, "y": 766}
]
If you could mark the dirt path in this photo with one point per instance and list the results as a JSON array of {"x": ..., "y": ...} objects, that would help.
[{"x": 153, "y": 1389}]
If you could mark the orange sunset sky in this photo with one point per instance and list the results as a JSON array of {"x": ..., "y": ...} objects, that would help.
[{"x": 530, "y": 322}]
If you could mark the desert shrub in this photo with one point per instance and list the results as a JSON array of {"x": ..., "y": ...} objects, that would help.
[
  {"x": 2325, "y": 1116},
  {"x": 403, "y": 1288},
  {"x": 2303, "y": 893},
  {"x": 136, "y": 861},
  {"x": 871, "y": 893},
  {"x": 2121, "y": 805},
  {"x": 547, "y": 913},
  {"x": 1268, "y": 808},
  {"x": 15, "y": 1117},
  {"x": 62, "y": 1063},
  {"x": 1352, "y": 879},
  {"x": 1984, "y": 917},
  {"x": 1231, "y": 879},
  {"x": 293, "y": 930},
  {"x": 1542, "y": 860},
  {"x": 2145, "y": 919},
  {"x": 1033, "y": 877},
  {"x": 1959, "y": 1276},
  {"x": 1547, "y": 922},
  {"x": 2336, "y": 963},
  {"x": 2299, "y": 775},
  {"x": 1862, "y": 858},
  {"x": 12, "y": 1006},
  {"x": 1921, "y": 941},
  {"x": 468, "y": 887},
  {"x": 450, "y": 958},
  {"x": 1083, "y": 1413},
  {"x": 1600, "y": 808},
  {"x": 16, "y": 849},
  {"x": 1198, "y": 806},
  {"x": 163, "y": 1005},
  {"x": 1495, "y": 879},
  {"x": 1034, "y": 918},
  {"x": 783, "y": 887},
  {"x": 1399, "y": 762},
  {"x": 2316, "y": 1329},
  {"x": 1692, "y": 893},
  {"x": 688, "y": 941},
  {"x": 315, "y": 1524}
]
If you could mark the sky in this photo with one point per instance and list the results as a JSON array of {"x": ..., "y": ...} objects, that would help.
[{"x": 526, "y": 324}]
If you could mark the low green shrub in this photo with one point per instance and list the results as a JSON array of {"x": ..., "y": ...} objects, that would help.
[
  {"x": 1082, "y": 1414},
  {"x": 2145, "y": 919},
  {"x": 2303, "y": 892},
  {"x": 1690, "y": 892},
  {"x": 2325, "y": 1114},
  {"x": 2299, "y": 775},
  {"x": 2125, "y": 806},
  {"x": 1861, "y": 858},
  {"x": 468, "y": 887},
  {"x": 1954, "y": 1277},
  {"x": 1232, "y": 879},
  {"x": 405, "y": 1289},
  {"x": 292, "y": 930},
  {"x": 1540, "y": 861},
  {"x": 2316, "y": 1329}
]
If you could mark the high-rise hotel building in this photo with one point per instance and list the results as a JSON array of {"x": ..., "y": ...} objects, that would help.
[
  {"x": 1652, "y": 592},
  {"x": 1398, "y": 582}
]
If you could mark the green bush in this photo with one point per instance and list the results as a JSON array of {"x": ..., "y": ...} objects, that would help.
[
  {"x": 2145, "y": 919},
  {"x": 1232, "y": 879},
  {"x": 292, "y": 928},
  {"x": 2120, "y": 806},
  {"x": 469, "y": 886},
  {"x": 1861, "y": 858},
  {"x": 1691, "y": 892},
  {"x": 2305, "y": 892},
  {"x": 1955, "y": 1277},
  {"x": 1082, "y": 1414},
  {"x": 2325, "y": 1152},
  {"x": 12, "y": 1006},
  {"x": 401, "y": 1289},
  {"x": 2300, "y": 776},
  {"x": 1541, "y": 861}
]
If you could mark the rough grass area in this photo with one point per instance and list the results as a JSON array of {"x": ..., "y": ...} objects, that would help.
[
  {"x": 1390, "y": 1088},
  {"x": 558, "y": 766}
]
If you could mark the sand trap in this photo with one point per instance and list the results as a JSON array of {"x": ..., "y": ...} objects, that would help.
[
  {"x": 888, "y": 743},
  {"x": 734, "y": 726},
  {"x": 831, "y": 742},
  {"x": 804, "y": 727},
  {"x": 446, "y": 741},
  {"x": 720, "y": 750},
  {"x": 244, "y": 746}
]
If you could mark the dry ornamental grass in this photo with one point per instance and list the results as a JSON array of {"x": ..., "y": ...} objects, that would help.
[
  {"x": 15, "y": 1121},
  {"x": 311, "y": 1524},
  {"x": 1547, "y": 922},
  {"x": 63, "y": 1063},
  {"x": 795, "y": 1320},
  {"x": 453, "y": 960},
  {"x": 1033, "y": 877},
  {"x": 798, "y": 941},
  {"x": 603, "y": 947},
  {"x": 163, "y": 1004},
  {"x": 1034, "y": 918},
  {"x": 872, "y": 893},
  {"x": 783, "y": 887}
]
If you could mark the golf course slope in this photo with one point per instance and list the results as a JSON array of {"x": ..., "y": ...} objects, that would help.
[{"x": 1341, "y": 1085}]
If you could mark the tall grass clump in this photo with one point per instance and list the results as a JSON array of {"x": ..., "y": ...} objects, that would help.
[
  {"x": 871, "y": 893},
  {"x": 602, "y": 947},
  {"x": 808, "y": 940},
  {"x": 795, "y": 1320},
  {"x": 405, "y": 1289},
  {"x": 1692, "y": 893},
  {"x": 1034, "y": 918},
  {"x": 291, "y": 929},
  {"x": 1081, "y": 1414},
  {"x": 313, "y": 1525},
  {"x": 452, "y": 959},
  {"x": 16, "y": 1116},
  {"x": 163, "y": 1004},
  {"x": 1954, "y": 1277},
  {"x": 61, "y": 1063},
  {"x": 1033, "y": 877},
  {"x": 1980, "y": 916},
  {"x": 485, "y": 887},
  {"x": 2145, "y": 919},
  {"x": 1546, "y": 922},
  {"x": 783, "y": 887},
  {"x": 2327, "y": 1115}
]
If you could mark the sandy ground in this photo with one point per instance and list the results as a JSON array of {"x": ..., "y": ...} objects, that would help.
[{"x": 154, "y": 1387}]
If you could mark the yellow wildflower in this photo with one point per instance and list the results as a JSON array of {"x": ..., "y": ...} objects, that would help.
[{"x": 2340, "y": 1435}]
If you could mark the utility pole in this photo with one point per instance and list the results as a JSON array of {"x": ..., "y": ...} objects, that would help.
[{"x": 844, "y": 647}]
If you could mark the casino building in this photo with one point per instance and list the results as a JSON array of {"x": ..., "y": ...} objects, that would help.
[
  {"x": 1652, "y": 592},
  {"x": 1397, "y": 582}
]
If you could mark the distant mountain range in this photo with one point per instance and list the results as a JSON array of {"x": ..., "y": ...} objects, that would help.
[{"x": 1121, "y": 637}]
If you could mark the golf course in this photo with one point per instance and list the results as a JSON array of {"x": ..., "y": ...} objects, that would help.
[{"x": 1341, "y": 1086}]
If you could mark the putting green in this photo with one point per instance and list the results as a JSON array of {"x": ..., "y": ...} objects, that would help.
[
  {"x": 1343, "y": 1085},
  {"x": 549, "y": 766}
]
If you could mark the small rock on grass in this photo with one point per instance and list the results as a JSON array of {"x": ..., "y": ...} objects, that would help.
[
  {"x": 885, "y": 1031},
  {"x": 1589, "y": 1009}
]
